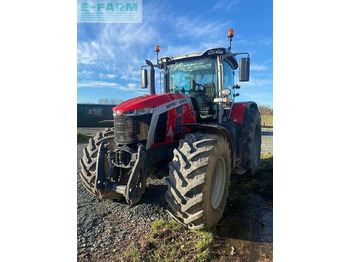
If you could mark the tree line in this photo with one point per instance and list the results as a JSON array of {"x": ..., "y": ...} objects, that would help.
[
  {"x": 104, "y": 101},
  {"x": 112, "y": 101},
  {"x": 264, "y": 110}
]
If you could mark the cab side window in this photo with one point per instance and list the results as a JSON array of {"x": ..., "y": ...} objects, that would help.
[{"x": 228, "y": 76}]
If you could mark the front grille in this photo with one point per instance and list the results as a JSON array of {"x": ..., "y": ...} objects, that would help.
[{"x": 131, "y": 129}]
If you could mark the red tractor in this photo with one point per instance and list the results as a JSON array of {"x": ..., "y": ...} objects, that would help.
[{"x": 192, "y": 133}]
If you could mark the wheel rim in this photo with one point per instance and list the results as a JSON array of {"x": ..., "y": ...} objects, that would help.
[
  {"x": 256, "y": 153},
  {"x": 218, "y": 183}
]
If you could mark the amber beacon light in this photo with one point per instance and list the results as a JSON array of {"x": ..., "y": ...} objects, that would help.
[
  {"x": 230, "y": 33},
  {"x": 157, "y": 49}
]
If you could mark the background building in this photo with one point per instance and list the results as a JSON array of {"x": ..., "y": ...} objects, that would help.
[{"x": 90, "y": 114}]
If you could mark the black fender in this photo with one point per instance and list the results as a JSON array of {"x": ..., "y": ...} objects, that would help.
[
  {"x": 251, "y": 104},
  {"x": 217, "y": 129},
  {"x": 248, "y": 106}
]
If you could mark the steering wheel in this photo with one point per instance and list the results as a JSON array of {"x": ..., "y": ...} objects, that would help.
[
  {"x": 183, "y": 90},
  {"x": 198, "y": 90}
]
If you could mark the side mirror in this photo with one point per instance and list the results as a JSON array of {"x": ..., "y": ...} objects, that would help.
[
  {"x": 244, "y": 67},
  {"x": 144, "y": 82}
]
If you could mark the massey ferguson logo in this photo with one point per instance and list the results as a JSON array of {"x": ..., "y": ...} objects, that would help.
[
  {"x": 182, "y": 101},
  {"x": 171, "y": 105},
  {"x": 176, "y": 102}
]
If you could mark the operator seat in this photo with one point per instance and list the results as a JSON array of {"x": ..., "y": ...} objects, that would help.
[
  {"x": 208, "y": 107},
  {"x": 209, "y": 88}
]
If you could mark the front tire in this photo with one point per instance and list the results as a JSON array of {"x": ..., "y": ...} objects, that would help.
[{"x": 198, "y": 181}]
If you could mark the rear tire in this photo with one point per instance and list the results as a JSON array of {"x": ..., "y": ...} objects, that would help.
[
  {"x": 198, "y": 181},
  {"x": 251, "y": 142},
  {"x": 89, "y": 159}
]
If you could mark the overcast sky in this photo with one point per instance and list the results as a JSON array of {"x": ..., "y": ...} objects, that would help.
[{"x": 110, "y": 55}]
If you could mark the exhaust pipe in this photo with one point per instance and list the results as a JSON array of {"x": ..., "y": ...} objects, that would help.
[
  {"x": 151, "y": 77},
  {"x": 152, "y": 87}
]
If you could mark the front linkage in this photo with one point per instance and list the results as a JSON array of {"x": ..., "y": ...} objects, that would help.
[{"x": 137, "y": 176}]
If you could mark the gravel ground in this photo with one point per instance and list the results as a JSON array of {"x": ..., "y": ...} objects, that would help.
[
  {"x": 109, "y": 227},
  {"x": 102, "y": 223},
  {"x": 267, "y": 140}
]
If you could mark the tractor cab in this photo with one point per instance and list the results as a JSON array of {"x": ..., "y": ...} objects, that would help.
[
  {"x": 197, "y": 77},
  {"x": 207, "y": 78}
]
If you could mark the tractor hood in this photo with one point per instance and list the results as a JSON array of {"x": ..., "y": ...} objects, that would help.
[{"x": 146, "y": 101}]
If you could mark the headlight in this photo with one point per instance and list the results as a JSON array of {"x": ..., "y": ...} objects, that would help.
[
  {"x": 140, "y": 111},
  {"x": 118, "y": 113}
]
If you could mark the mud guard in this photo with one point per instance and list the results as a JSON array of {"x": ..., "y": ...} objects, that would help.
[{"x": 216, "y": 129}]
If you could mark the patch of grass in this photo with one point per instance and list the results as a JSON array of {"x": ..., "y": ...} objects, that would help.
[
  {"x": 159, "y": 224},
  {"x": 169, "y": 241},
  {"x": 265, "y": 155},
  {"x": 267, "y": 119},
  {"x": 81, "y": 138},
  {"x": 135, "y": 253},
  {"x": 266, "y": 162},
  {"x": 202, "y": 256},
  {"x": 206, "y": 238}
]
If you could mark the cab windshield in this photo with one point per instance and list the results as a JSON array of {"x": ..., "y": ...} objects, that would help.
[
  {"x": 193, "y": 76},
  {"x": 197, "y": 79}
]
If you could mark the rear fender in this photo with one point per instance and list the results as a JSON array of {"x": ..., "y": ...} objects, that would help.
[
  {"x": 238, "y": 111},
  {"x": 215, "y": 129}
]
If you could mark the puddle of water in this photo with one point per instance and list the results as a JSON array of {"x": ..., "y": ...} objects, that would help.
[
  {"x": 251, "y": 251},
  {"x": 251, "y": 225},
  {"x": 247, "y": 224}
]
